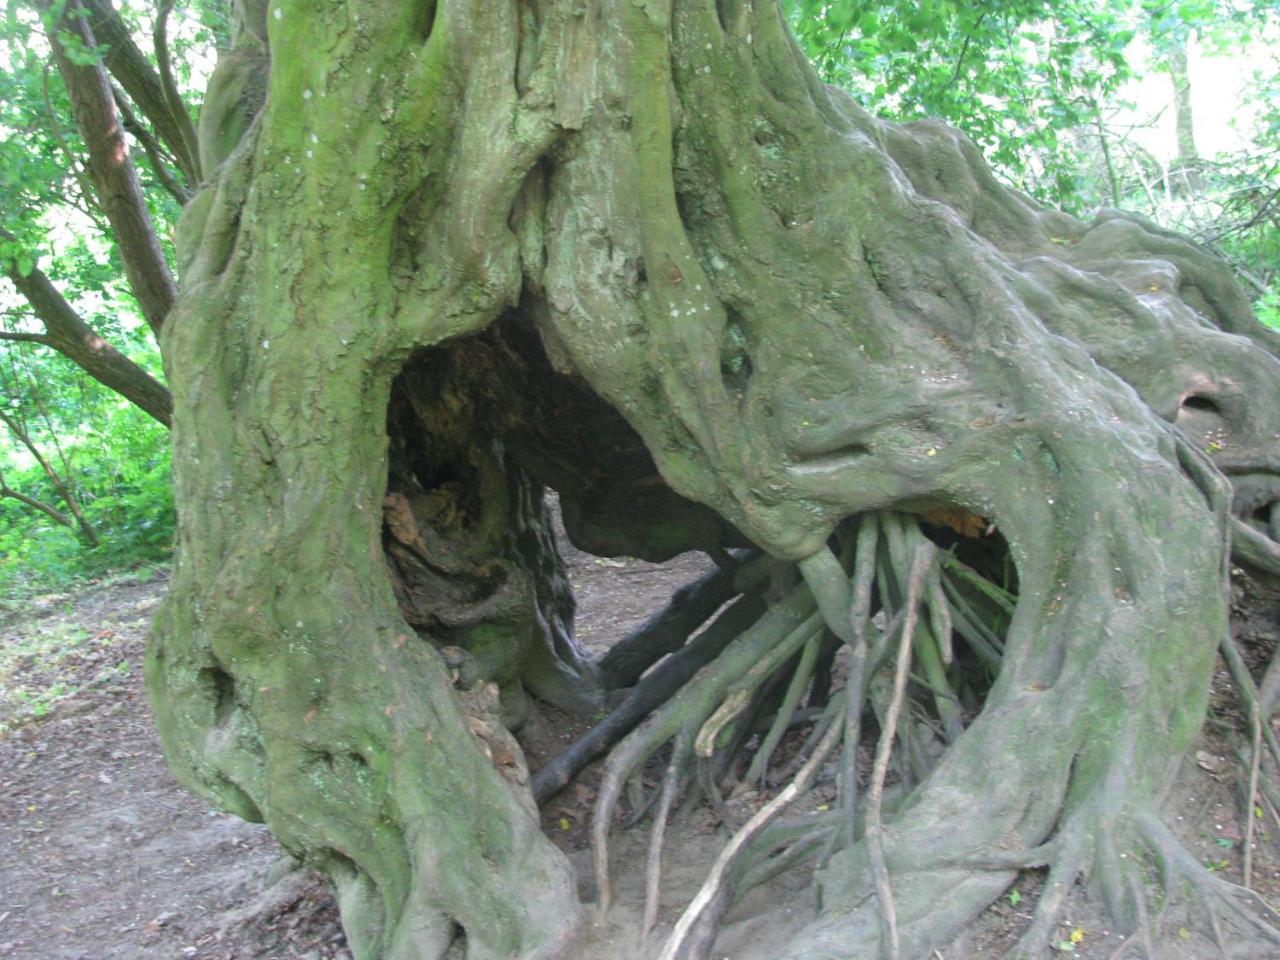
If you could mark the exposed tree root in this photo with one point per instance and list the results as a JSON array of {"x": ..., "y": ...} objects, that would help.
[
  {"x": 921, "y": 565},
  {"x": 1246, "y": 690},
  {"x": 1122, "y": 881},
  {"x": 1063, "y": 872},
  {"x": 1255, "y": 766},
  {"x": 653, "y": 872},
  {"x": 889, "y": 570},
  {"x": 1253, "y": 549},
  {"x": 774, "y": 637},
  {"x": 796, "y": 687},
  {"x": 1180, "y": 866},
  {"x": 714, "y": 888},
  {"x": 888, "y": 593}
]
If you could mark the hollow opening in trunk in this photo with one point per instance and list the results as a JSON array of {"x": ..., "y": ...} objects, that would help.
[{"x": 708, "y": 685}]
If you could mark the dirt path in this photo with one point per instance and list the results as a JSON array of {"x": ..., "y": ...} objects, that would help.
[{"x": 103, "y": 855}]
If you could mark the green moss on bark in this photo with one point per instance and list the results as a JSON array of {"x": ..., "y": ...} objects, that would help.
[{"x": 638, "y": 253}]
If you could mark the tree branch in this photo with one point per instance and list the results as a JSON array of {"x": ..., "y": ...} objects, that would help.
[
  {"x": 64, "y": 490},
  {"x": 178, "y": 108},
  {"x": 67, "y": 333},
  {"x": 152, "y": 149},
  {"x": 26, "y": 337},
  {"x": 114, "y": 178},
  {"x": 130, "y": 66},
  {"x": 91, "y": 209},
  {"x": 53, "y": 512}
]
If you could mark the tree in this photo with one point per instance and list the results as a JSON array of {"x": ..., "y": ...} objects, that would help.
[
  {"x": 83, "y": 244},
  {"x": 448, "y": 254}
]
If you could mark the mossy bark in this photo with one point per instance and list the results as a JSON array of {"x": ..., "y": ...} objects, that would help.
[{"x": 635, "y": 250}]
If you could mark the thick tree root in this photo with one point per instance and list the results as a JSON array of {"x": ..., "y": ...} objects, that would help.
[
  {"x": 1178, "y": 865},
  {"x": 654, "y": 690},
  {"x": 1247, "y": 691},
  {"x": 775, "y": 635},
  {"x": 713, "y": 891},
  {"x": 1253, "y": 549}
]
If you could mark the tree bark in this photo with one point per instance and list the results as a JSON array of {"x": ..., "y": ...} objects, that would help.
[
  {"x": 1187, "y": 165},
  {"x": 801, "y": 314}
]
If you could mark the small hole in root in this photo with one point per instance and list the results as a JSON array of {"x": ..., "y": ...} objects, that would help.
[
  {"x": 736, "y": 368},
  {"x": 1199, "y": 402}
]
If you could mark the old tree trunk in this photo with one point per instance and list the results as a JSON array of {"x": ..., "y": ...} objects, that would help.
[{"x": 453, "y": 253}]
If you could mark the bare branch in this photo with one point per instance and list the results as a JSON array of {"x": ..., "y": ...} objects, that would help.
[
  {"x": 52, "y": 512},
  {"x": 172, "y": 96},
  {"x": 64, "y": 490},
  {"x": 41, "y": 338},
  {"x": 151, "y": 147},
  {"x": 91, "y": 208}
]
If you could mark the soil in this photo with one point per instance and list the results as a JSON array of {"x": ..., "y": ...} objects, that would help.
[{"x": 104, "y": 855}]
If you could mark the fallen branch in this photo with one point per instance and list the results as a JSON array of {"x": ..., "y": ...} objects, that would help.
[
  {"x": 713, "y": 887},
  {"x": 648, "y": 695},
  {"x": 668, "y": 629},
  {"x": 922, "y": 563}
]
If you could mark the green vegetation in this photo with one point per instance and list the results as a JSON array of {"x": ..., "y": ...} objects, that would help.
[
  {"x": 117, "y": 460},
  {"x": 84, "y": 472},
  {"x": 1047, "y": 89}
]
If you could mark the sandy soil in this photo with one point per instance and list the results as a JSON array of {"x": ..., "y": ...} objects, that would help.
[{"x": 104, "y": 855}]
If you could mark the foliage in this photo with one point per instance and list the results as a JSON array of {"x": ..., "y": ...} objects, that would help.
[
  {"x": 120, "y": 465},
  {"x": 1017, "y": 76},
  {"x": 1040, "y": 88},
  {"x": 112, "y": 457}
]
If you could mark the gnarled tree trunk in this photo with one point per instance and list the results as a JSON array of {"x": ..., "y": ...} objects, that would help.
[{"x": 453, "y": 252}]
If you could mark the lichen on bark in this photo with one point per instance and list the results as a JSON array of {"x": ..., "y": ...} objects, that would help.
[{"x": 460, "y": 251}]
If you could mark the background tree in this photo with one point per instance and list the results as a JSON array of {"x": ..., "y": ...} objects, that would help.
[
  {"x": 1041, "y": 88},
  {"x": 84, "y": 243}
]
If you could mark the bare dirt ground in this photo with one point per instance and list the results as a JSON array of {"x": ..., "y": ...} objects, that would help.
[{"x": 104, "y": 855}]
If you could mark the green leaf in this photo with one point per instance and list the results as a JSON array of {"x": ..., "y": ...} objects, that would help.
[{"x": 25, "y": 263}]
